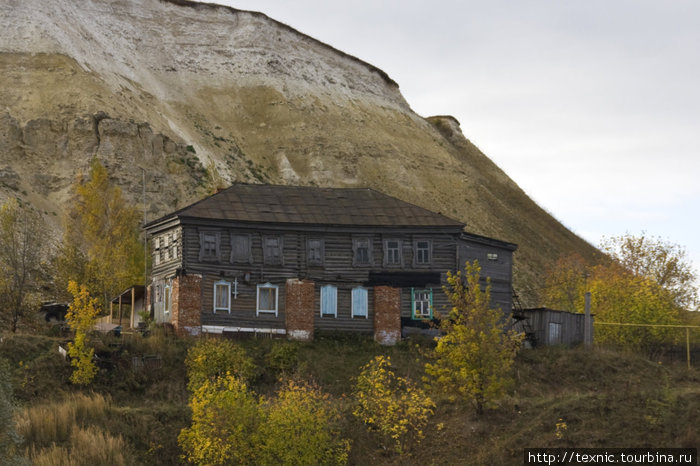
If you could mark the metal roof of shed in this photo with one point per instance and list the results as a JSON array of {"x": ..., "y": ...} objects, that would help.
[{"x": 264, "y": 203}]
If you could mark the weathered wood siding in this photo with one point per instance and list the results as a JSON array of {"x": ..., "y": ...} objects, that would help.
[
  {"x": 344, "y": 320},
  {"x": 553, "y": 327},
  {"x": 496, "y": 263}
]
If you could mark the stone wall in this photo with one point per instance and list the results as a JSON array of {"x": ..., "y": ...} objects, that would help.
[
  {"x": 387, "y": 315},
  {"x": 187, "y": 304},
  {"x": 299, "y": 309}
]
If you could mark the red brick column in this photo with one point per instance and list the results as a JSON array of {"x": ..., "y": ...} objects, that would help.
[
  {"x": 187, "y": 304},
  {"x": 299, "y": 309},
  {"x": 387, "y": 315}
]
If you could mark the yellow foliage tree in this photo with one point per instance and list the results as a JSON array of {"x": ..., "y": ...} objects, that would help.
[
  {"x": 81, "y": 318},
  {"x": 101, "y": 246},
  {"x": 391, "y": 405},
  {"x": 644, "y": 281},
  {"x": 474, "y": 357},
  {"x": 213, "y": 357}
]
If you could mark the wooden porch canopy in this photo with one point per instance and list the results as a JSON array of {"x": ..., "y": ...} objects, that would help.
[{"x": 129, "y": 296}]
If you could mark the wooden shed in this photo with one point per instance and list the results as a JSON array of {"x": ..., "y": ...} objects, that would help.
[{"x": 552, "y": 327}]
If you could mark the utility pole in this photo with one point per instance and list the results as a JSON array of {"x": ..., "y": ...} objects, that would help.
[{"x": 587, "y": 325}]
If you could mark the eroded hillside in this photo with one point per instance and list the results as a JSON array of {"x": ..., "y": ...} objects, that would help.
[{"x": 192, "y": 96}]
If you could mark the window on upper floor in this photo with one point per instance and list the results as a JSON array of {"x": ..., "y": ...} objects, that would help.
[
  {"x": 315, "y": 251},
  {"x": 361, "y": 251},
  {"x": 209, "y": 246},
  {"x": 222, "y": 296},
  {"x": 241, "y": 250},
  {"x": 267, "y": 299},
  {"x": 392, "y": 252},
  {"x": 329, "y": 301},
  {"x": 272, "y": 250},
  {"x": 422, "y": 252}
]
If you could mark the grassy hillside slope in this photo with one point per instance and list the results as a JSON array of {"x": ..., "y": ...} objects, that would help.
[{"x": 604, "y": 398}]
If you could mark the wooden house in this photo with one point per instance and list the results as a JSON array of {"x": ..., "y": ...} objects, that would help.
[{"x": 290, "y": 260}]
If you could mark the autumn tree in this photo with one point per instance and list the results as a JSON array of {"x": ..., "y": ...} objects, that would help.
[
  {"x": 643, "y": 280},
  {"x": 23, "y": 248},
  {"x": 81, "y": 317},
  {"x": 101, "y": 246},
  {"x": 474, "y": 356},
  {"x": 658, "y": 260},
  {"x": 391, "y": 405}
]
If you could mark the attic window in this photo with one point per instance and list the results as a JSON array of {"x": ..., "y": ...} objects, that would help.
[{"x": 492, "y": 256}]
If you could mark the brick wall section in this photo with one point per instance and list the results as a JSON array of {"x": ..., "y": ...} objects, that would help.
[
  {"x": 299, "y": 309},
  {"x": 387, "y": 315},
  {"x": 187, "y": 304}
]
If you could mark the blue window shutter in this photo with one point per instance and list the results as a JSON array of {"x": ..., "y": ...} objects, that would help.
[
  {"x": 329, "y": 300},
  {"x": 359, "y": 302}
]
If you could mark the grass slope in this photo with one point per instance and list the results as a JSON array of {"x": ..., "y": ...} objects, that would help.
[{"x": 604, "y": 398}]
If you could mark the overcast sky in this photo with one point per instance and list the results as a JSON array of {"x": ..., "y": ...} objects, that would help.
[{"x": 592, "y": 107}]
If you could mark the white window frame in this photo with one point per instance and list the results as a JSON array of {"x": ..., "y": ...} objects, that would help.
[
  {"x": 167, "y": 299},
  {"x": 388, "y": 252},
  {"x": 414, "y": 302},
  {"x": 227, "y": 286},
  {"x": 428, "y": 251},
  {"x": 267, "y": 285},
  {"x": 353, "y": 305},
  {"x": 324, "y": 305}
]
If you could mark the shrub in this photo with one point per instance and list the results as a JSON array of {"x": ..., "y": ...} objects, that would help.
[
  {"x": 211, "y": 358},
  {"x": 299, "y": 428},
  {"x": 391, "y": 405},
  {"x": 225, "y": 415},
  {"x": 282, "y": 357}
]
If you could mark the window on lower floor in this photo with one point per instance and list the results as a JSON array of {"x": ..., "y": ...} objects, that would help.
[
  {"x": 267, "y": 299},
  {"x": 167, "y": 299},
  {"x": 359, "y": 302},
  {"x": 422, "y": 303},
  {"x": 222, "y": 296},
  {"x": 329, "y": 301}
]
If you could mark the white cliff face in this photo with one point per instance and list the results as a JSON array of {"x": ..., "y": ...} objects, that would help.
[
  {"x": 193, "y": 96},
  {"x": 170, "y": 50}
]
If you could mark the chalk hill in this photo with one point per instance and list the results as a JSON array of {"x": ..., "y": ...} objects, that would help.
[{"x": 190, "y": 96}]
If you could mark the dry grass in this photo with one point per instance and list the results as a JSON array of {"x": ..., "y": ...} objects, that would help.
[
  {"x": 45, "y": 424},
  {"x": 87, "y": 447}
]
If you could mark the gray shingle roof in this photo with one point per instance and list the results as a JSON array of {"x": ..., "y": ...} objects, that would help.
[{"x": 259, "y": 203}]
